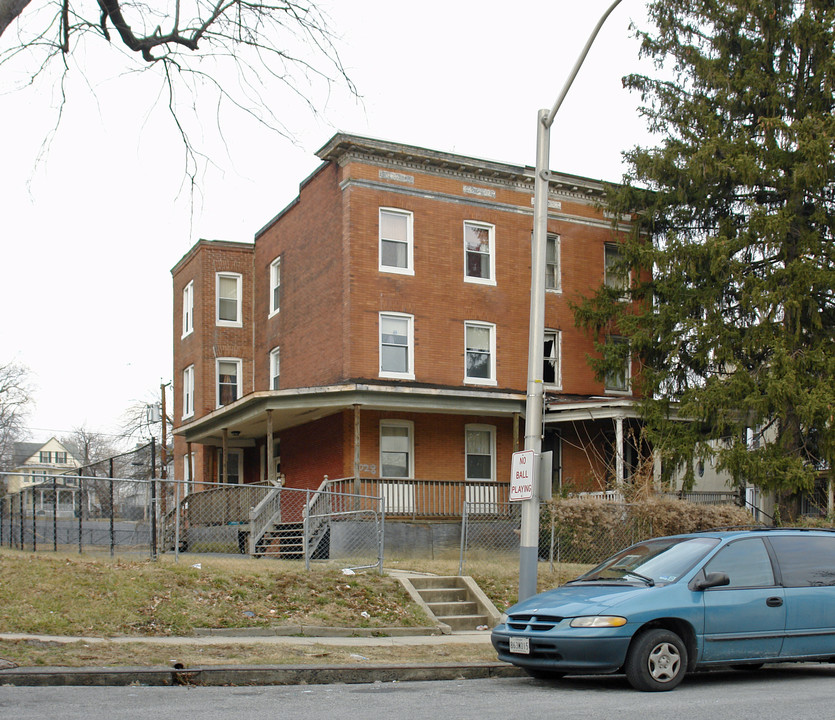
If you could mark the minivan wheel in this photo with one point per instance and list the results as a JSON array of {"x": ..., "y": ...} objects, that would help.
[{"x": 657, "y": 660}]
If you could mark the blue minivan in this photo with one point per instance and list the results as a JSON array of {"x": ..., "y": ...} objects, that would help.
[{"x": 671, "y": 605}]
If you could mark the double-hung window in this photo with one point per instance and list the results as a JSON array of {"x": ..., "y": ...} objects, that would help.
[
  {"x": 479, "y": 253},
  {"x": 228, "y": 380},
  {"x": 396, "y": 241},
  {"x": 188, "y": 391},
  {"x": 275, "y": 286},
  {"x": 188, "y": 309},
  {"x": 396, "y": 449},
  {"x": 480, "y": 353},
  {"x": 228, "y": 291},
  {"x": 551, "y": 372},
  {"x": 275, "y": 369},
  {"x": 480, "y": 450},
  {"x": 618, "y": 380},
  {"x": 397, "y": 346},
  {"x": 616, "y": 275},
  {"x": 552, "y": 263}
]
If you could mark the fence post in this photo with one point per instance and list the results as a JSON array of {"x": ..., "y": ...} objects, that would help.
[
  {"x": 34, "y": 521},
  {"x": 306, "y": 529},
  {"x": 112, "y": 523},
  {"x": 80, "y": 512},
  {"x": 463, "y": 537},
  {"x": 154, "y": 497},
  {"x": 54, "y": 513},
  {"x": 382, "y": 534}
]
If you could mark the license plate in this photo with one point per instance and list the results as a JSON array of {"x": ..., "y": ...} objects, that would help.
[{"x": 520, "y": 645}]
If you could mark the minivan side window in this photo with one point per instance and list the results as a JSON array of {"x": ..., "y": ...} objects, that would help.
[
  {"x": 746, "y": 563},
  {"x": 805, "y": 561}
]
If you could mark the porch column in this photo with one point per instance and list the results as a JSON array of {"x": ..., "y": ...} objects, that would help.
[
  {"x": 515, "y": 432},
  {"x": 224, "y": 467},
  {"x": 619, "y": 451},
  {"x": 356, "y": 449},
  {"x": 270, "y": 448}
]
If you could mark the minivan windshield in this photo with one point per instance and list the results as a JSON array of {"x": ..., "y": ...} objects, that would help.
[{"x": 654, "y": 562}]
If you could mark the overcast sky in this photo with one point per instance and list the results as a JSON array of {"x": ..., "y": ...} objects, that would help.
[{"x": 93, "y": 223}]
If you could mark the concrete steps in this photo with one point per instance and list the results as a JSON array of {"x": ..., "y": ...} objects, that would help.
[{"x": 455, "y": 602}]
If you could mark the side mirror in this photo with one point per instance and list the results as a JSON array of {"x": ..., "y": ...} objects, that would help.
[{"x": 714, "y": 579}]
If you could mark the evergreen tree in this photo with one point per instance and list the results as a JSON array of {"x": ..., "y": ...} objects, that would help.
[{"x": 730, "y": 311}]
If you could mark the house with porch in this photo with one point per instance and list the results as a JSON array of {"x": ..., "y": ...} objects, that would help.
[
  {"x": 374, "y": 335},
  {"x": 39, "y": 480}
]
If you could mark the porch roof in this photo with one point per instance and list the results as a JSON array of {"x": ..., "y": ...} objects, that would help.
[
  {"x": 247, "y": 417},
  {"x": 565, "y": 408}
]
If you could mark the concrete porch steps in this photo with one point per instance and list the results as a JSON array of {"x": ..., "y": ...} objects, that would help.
[{"x": 455, "y": 602}]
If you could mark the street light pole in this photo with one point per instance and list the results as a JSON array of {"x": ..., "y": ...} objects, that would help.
[{"x": 529, "y": 537}]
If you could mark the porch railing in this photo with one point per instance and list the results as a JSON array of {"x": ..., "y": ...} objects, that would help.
[
  {"x": 422, "y": 499},
  {"x": 264, "y": 516}
]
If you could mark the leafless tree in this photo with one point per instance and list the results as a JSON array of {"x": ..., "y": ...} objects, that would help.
[
  {"x": 233, "y": 51},
  {"x": 15, "y": 397}
]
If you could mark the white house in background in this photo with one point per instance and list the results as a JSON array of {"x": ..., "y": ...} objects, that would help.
[{"x": 37, "y": 472}]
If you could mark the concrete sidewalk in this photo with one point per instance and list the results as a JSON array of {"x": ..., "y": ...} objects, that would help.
[{"x": 261, "y": 674}]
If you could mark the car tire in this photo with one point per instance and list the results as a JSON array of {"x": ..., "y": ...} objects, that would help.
[
  {"x": 538, "y": 674},
  {"x": 657, "y": 661}
]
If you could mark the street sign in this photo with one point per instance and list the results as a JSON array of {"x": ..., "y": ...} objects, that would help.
[{"x": 522, "y": 475}]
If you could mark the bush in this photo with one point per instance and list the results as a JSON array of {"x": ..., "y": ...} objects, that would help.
[{"x": 585, "y": 530}]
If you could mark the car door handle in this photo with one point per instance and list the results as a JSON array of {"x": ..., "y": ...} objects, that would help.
[{"x": 774, "y": 602}]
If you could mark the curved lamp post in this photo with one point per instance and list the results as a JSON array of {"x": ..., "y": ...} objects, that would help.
[{"x": 529, "y": 538}]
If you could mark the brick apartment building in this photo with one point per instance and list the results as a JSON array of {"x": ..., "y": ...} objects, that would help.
[{"x": 377, "y": 328}]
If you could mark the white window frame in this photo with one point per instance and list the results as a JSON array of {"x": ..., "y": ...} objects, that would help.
[
  {"x": 188, "y": 308},
  {"x": 239, "y": 372},
  {"x": 410, "y": 426},
  {"x": 626, "y": 388},
  {"x": 556, "y": 274},
  {"x": 555, "y": 358},
  {"x": 610, "y": 280},
  {"x": 409, "y": 242},
  {"x": 410, "y": 352},
  {"x": 238, "y": 278},
  {"x": 275, "y": 286},
  {"x": 188, "y": 480},
  {"x": 275, "y": 368},
  {"x": 491, "y": 429},
  {"x": 492, "y": 342},
  {"x": 491, "y": 234},
  {"x": 188, "y": 392}
]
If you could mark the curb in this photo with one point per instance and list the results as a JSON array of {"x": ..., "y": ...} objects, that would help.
[{"x": 252, "y": 675}]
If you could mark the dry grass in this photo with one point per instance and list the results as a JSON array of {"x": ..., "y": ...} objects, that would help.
[{"x": 96, "y": 596}]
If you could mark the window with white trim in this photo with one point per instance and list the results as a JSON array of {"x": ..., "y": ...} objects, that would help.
[
  {"x": 551, "y": 370},
  {"x": 275, "y": 286},
  {"x": 396, "y": 241},
  {"x": 188, "y": 308},
  {"x": 228, "y": 292},
  {"x": 188, "y": 391},
  {"x": 188, "y": 471},
  {"x": 552, "y": 263},
  {"x": 228, "y": 380},
  {"x": 397, "y": 346},
  {"x": 480, "y": 451},
  {"x": 615, "y": 276},
  {"x": 618, "y": 381},
  {"x": 396, "y": 449},
  {"x": 479, "y": 253},
  {"x": 480, "y": 353},
  {"x": 275, "y": 369}
]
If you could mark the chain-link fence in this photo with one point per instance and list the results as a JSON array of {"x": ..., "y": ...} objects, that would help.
[
  {"x": 490, "y": 534},
  {"x": 277, "y": 522}
]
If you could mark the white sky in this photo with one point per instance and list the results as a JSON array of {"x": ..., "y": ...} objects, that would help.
[{"x": 91, "y": 230}]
